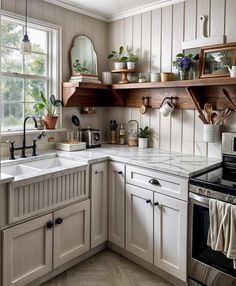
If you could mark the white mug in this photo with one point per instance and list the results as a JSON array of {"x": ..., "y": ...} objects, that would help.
[
  {"x": 107, "y": 78},
  {"x": 154, "y": 77},
  {"x": 167, "y": 107}
]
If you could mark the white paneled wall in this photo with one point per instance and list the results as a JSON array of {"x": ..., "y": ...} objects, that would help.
[{"x": 157, "y": 36}]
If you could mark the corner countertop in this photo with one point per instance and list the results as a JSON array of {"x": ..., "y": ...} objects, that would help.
[{"x": 179, "y": 164}]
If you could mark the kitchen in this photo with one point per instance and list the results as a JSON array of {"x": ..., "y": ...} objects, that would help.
[{"x": 167, "y": 26}]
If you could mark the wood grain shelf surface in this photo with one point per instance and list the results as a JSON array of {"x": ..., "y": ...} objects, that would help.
[{"x": 130, "y": 94}]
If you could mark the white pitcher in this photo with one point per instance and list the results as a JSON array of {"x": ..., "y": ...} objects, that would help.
[{"x": 232, "y": 71}]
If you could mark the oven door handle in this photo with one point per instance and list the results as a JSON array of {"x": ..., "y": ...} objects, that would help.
[{"x": 200, "y": 199}]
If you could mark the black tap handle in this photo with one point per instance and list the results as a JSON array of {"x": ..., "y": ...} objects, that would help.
[
  {"x": 34, "y": 148},
  {"x": 12, "y": 150}
]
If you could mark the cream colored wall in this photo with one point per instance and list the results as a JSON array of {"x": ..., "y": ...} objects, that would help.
[
  {"x": 72, "y": 24},
  {"x": 156, "y": 36}
]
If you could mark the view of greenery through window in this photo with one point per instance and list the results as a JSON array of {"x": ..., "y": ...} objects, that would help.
[{"x": 23, "y": 76}]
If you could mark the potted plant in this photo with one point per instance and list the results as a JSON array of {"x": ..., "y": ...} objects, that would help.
[
  {"x": 183, "y": 64},
  {"x": 143, "y": 137},
  {"x": 118, "y": 58},
  {"x": 78, "y": 68},
  {"x": 131, "y": 61},
  {"x": 50, "y": 119}
]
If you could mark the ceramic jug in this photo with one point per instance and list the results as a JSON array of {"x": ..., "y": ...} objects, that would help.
[{"x": 232, "y": 71}]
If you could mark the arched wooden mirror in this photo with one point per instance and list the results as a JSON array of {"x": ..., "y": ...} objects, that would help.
[{"x": 83, "y": 56}]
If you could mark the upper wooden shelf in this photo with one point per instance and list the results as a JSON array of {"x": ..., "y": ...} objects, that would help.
[
  {"x": 179, "y": 83},
  {"x": 130, "y": 95}
]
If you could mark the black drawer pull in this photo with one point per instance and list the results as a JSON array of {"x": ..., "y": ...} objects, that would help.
[
  {"x": 59, "y": 220},
  {"x": 156, "y": 204},
  {"x": 154, "y": 182},
  {"x": 120, "y": 173},
  {"x": 96, "y": 172},
  {"x": 49, "y": 224},
  {"x": 148, "y": 201}
]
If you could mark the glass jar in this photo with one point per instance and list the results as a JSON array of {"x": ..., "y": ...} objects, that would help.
[{"x": 122, "y": 134}]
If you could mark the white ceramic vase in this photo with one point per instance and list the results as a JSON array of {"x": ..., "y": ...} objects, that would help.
[
  {"x": 142, "y": 142},
  {"x": 120, "y": 65},
  {"x": 130, "y": 65}
]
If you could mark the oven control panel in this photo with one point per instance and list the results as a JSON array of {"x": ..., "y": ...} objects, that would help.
[
  {"x": 229, "y": 143},
  {"x": 212, "y": 194}
]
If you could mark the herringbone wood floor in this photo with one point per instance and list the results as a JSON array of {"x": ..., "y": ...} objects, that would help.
[{"x": 107, "y": 269}]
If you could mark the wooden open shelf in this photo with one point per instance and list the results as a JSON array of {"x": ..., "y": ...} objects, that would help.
[{"x": 130, "y": 95}]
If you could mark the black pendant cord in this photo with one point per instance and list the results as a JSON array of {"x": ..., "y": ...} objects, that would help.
[{"x": 26, "y": 9}]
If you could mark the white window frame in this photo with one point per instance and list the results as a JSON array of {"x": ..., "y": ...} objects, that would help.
[{"x": 54, "y": 66}]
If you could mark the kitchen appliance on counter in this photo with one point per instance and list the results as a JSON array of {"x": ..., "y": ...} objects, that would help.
[
  {"x": 207, "y": 266},
  {"x": 92, "y": 137}
]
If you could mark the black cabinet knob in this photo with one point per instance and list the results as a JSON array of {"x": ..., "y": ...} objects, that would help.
[
  {"x": 154, "y": 182},
  {"x": 156, "y": 204},
  {"x": 120, "y": 173},
  {"x": 49, "y": 224},
  {"x": 96, "y": 172},
  {"x": 59, "y": 220},
  {"x": 148, "y": 201}
]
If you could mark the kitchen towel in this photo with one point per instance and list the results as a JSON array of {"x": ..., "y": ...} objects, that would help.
[{"x": 222, "y": 229}]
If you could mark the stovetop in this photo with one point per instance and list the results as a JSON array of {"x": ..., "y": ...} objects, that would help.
[{"x": 222, "y": 179}]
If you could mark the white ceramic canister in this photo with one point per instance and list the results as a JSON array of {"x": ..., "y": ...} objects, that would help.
[
  {"x": 154, "y": 77},
  {"x": 211, "y": 133}
]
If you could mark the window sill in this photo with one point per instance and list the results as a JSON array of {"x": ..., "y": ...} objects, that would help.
[{"x": 33, "y": 131}]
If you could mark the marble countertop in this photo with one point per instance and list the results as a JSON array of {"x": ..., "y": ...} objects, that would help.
[{"x": 178, "y": 164}]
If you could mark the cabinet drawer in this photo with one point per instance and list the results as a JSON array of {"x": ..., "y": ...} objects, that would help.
[{"x": 158, "y": 182}]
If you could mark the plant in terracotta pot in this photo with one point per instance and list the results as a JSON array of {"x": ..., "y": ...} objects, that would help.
[
  {"x": 143, "y": 137},
  {"x": 131, "y": 61},
  {"x": 118, "y": 58},
  {"x": 49, "y": 106}
]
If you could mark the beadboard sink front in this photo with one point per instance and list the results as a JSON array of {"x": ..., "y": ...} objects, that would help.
[{"x": 44, "y": 183}]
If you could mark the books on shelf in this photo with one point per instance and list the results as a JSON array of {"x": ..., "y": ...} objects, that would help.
[{"x": 85, "y": 78}]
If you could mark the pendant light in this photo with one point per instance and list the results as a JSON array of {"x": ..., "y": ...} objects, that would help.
[{"x": 25, "y": 44}]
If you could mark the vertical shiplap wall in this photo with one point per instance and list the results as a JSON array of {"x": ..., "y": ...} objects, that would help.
[{"x": 156, "y": 36}]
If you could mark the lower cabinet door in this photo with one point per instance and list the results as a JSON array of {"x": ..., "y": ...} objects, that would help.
[
  {"x": 170, "y": 235},
  {"x": 117, "y": 203},
  {"x": 139, "y": 222},
  {"x": 71, "y": 232},
  {"x": 99, "y": 201},
  {"x": 27, "y": 251}
]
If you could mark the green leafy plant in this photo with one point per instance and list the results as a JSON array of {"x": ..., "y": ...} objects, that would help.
[
  {"x": 118, "y": 56},
  {"x": 144, "y": 132},
  {"x": 77, "y": 67},
  {"x": 132, "y": 58},
  {"x": 47, "y": 105}
]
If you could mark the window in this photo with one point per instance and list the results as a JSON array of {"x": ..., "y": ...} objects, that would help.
[{"x": 24, "y": 76}]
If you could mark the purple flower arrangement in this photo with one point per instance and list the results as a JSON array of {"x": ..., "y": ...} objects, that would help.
[{"x": 182, "y": 62}]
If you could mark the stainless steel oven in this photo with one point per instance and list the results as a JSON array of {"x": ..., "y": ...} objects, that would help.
[
  {"x": 209, "y": 267},
  {"x": 206, "y": 266}
]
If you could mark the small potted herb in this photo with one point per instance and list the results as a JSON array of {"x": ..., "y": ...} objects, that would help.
[
  {"x": 118, "y": 58},
  {"x": 131, "y": 61},
  {"x": 143, "y": 137},
  {"x": 49, "y": 107}
]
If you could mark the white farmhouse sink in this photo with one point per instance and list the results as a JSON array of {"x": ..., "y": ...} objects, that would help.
[
  {"x": 51, "y": 163},
  {"x": 17, "y": 170},
  {"x": 37, "y": 166}
]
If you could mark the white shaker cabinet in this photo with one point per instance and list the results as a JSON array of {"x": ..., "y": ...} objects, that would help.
[
  {"x": 34, "y": 248},
  {"x": 139, "y": 222},
  {"x": 71, "y": 232},
  {"x": 117, "y": 203},
  {"x": 99, "y": 201},
  {"x": 27, "y": 251},
  {"x": 170, "y": 235}
]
